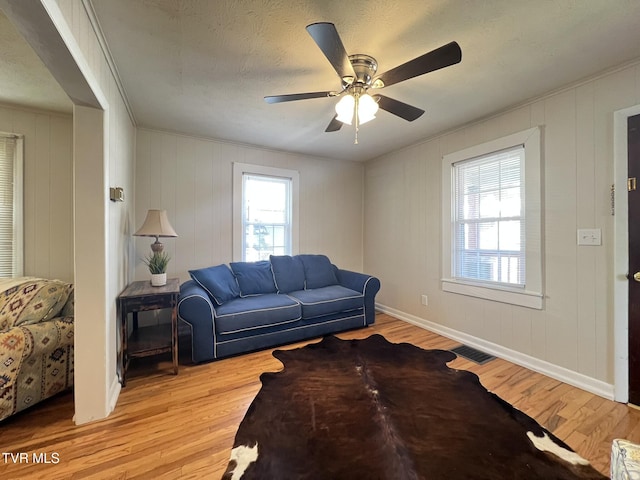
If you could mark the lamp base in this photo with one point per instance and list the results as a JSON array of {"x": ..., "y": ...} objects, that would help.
[{"x": 157, "y": 246}]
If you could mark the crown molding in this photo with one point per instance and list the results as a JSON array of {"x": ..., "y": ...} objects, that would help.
[{"x": 97, "y": 29}]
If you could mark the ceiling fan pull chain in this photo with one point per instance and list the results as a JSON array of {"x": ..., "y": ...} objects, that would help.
[{"x": 357, "y": 119}]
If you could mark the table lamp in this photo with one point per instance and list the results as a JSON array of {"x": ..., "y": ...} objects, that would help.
[{"x": 156, "y": 225}]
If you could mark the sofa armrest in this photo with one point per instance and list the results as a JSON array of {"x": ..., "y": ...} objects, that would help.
[
  {"x": 368, "y": 285},
  {"x": 196, "y": 309}
]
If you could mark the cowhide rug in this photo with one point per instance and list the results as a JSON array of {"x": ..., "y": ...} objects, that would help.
[{"x": 370, "y": 409}]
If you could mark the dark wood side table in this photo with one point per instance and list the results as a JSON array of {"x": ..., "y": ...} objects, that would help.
[{"x": 141, "y": 296}]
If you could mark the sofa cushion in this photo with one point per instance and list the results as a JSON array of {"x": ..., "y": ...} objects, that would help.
[
  {"x": 255, "y": 312},
  {"x": 218, "y": 281},
  {"x": 288, "y": 273},
  {"x": 328, "y": 300},
  {"x": 254, "y": 278},
  {"x": 318, "y": 271},
  {"x": 29, "y": 300}
]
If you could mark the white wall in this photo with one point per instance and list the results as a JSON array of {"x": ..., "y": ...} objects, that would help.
[
  {"x": 48, "y": 189},
  {"x": 192, "y": 179},
  {"x": 96, "y": 384},
  {"x": 572, "y": 337}
]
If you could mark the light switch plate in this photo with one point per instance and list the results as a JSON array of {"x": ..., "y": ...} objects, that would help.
[{"x": 589, "y": 236}]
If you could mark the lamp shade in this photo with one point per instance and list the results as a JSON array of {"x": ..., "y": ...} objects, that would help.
[{"x": 156, "y": 225}]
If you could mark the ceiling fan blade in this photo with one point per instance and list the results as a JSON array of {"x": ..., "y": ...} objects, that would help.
[
  {"x": 334, "y": 124},
  {"x": 297, "y": 96},
  {"x": 326, "y": 37},
  {"x": 447, "y": 55},
  {"x": 398, "y": 108}
]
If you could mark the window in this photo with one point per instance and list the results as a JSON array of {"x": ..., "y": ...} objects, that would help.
[
  {"x": 264, "y": 212},
  {"x": 491, "y": 227},
  {"x": 10, "y": 205},
  {"x": 489, "y": 218}
]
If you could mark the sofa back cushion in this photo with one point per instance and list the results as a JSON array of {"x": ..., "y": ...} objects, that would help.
[
  {"x": 288, "y": 273},
  {"x": 254, "y": 278},
  {"x": 318, "y": 271},
  {"x": 218, "y": 281},
  {"x": 28, "y": 300}
]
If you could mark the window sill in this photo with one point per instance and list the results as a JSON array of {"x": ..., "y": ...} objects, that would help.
[{"x": 521, "y": 298}]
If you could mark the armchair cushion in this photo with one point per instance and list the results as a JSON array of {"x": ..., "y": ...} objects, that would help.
[
  {"x": 218, "y": 281},
  {"x": 288, "y": 273},
  {"x": 318, "y": 271},
  {"x": 26, "y": 300},
  {"x": 254, "y": 278}
]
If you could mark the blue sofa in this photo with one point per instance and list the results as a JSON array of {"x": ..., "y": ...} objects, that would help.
[{"x": 249, "y": 306}]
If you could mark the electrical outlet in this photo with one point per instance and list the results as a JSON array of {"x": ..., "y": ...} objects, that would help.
[{"x": 424, "y": 300}]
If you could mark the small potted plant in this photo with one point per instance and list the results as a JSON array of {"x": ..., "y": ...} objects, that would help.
[{"x": 157, "y": 263}]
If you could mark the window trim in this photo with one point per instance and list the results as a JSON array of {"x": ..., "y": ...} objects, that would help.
[
  {"x": 532, "y": 294},
  {"x": 239, "y": 169}
]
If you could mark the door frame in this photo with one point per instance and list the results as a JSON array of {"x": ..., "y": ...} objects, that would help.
[{"x": 621, "y": 256}]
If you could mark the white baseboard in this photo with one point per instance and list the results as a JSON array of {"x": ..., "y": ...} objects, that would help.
[
  {"x": 114, "y": 393},
  {"x": 562, "y": 374}
]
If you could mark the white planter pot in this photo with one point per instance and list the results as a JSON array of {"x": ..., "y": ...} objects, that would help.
[{"x": 158, "y": 279}]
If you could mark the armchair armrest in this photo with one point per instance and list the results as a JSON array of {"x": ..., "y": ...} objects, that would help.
[
  {"x": 196, "y": 309},
  {"x": 368, "y": 285}
]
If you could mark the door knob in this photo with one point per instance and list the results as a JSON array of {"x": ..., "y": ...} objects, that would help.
[{"x": 636, "y": 276}]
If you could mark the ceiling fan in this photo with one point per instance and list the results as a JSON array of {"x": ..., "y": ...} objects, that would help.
[{"x": 358, "y": 74}]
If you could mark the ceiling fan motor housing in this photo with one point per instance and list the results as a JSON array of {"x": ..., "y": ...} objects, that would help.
[{"x": 365, "y": 67}]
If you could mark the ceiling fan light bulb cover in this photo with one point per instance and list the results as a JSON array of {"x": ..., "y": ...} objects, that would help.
[
  {"x": 367, "y": 108},
  {"x": 345, "y": 108}
]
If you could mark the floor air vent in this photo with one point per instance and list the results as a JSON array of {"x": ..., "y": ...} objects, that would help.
[{"x": 472, "y": 354}]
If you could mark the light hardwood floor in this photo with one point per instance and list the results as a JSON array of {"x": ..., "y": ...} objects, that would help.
[{"x": 169, "y": 427}]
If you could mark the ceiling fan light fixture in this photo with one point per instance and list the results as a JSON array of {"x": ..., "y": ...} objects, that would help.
[
  {"x": 358, "y": 73},
  {"x": 345, "y": 108},
  {"x": 367, "y": 108}
]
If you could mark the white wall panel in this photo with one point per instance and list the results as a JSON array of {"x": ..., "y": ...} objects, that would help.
[
  {"x": 586, "y": 258},
  {"x": 72, "y": 19},
  {"x": 48, "y": 191},
  {"x": 560, "y": 228},
  {"x": 574, "y": 331},
  {"x": 192, "y": 179}
]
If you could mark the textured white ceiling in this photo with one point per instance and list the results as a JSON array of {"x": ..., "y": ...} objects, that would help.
[
  {"x": 202, "y": 67},
  {"x": 24, "y": 80}
]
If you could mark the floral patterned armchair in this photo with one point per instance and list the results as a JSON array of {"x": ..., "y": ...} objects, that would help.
[{"x": 36, "y": 341}]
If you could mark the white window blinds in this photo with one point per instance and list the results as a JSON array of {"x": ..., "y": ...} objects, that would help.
[
  {"x": 489, "y": 223},
  {"x": 10, "y": 206},
  {"x": 266, "y": 216}
]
